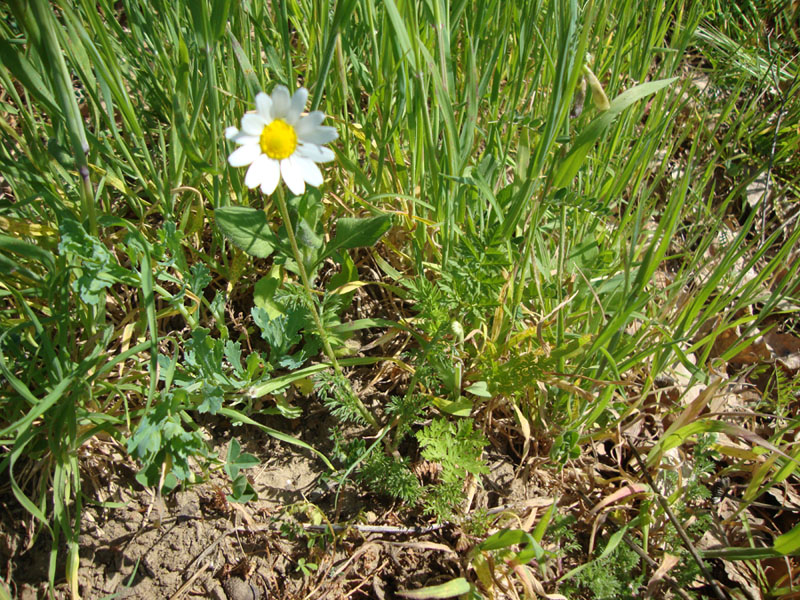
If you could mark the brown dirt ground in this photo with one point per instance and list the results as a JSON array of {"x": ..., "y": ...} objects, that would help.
[{"x": 193, "y": 543}]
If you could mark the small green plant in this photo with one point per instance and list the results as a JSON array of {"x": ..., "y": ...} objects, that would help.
[
  {"x": 164, "y": 446},
  {"x": 304, "y": 567},
  {"x": 380, "y": 472},
  {"x": 614, "y": 577},
  {"x": 235, "y": 462},
  {"x": 457, "y": 447}
]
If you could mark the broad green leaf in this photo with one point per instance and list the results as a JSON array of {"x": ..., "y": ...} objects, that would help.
[
  {"x": 264, "y": 294},
  {"x": 741, "y": 553},
  {"x": 451, "y": 589},
  {"x": 357, "y": 233},
  {"x": 236, "y": 460},
  {"x": 244, "y": 64},
  {"x": 544, "y": 522},
  {"x": 510, "y": 537},
  {"x": 789, "y": 542},
  {"x": 505, "y": 538},
  {"x": 241, "y": 491},
  {"x": 286, "y": 410},
  {"x": 568, "y": 168},
  {"x": 248, "y": 229},
  {"x": 480, "y": 388},
  {"x": 401, "y": 36},
  {"x": 458, "y": 408},
  {"x": 220, "y": 11},
  {"x": 676, "y": 438}
]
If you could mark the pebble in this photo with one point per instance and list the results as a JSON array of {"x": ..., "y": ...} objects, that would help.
[{"x": 239, "y": 589}]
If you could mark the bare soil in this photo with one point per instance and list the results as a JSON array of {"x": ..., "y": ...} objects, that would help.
[{"x": 194, "y": 543}]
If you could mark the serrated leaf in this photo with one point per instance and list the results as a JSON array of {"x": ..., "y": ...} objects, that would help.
[
  {"x": 98, "y": 269},
  {"x": 281, "y": 332},
  {"x": 212, "y": 400},
  {"x": 233, "y": 352},
  {"x": 248, "y": 229},
  {"x": 206, "y": 352},
  {"x": 200, "y": 278}
]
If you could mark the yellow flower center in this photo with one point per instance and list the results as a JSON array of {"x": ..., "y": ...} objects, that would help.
[{"x": 278, "y": 140}]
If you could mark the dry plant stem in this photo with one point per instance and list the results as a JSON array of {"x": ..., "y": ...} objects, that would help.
[
  {"x": 718, "y": 592},
  {"x": 313, "y": 307},
  {"x": 189, "y": 584}
]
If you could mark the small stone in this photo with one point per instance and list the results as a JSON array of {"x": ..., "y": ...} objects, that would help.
[
  {"x": 27, "y": 592},
  {"x": 238, "y": 589}
]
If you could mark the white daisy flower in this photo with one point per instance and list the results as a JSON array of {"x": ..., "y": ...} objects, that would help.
[{"x": 276, "y": 141}]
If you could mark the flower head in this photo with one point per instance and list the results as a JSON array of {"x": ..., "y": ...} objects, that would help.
[{"x": 278, "y": 141}]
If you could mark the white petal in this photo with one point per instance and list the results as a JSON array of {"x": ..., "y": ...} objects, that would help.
[
  {"x": 272, "y": 175},
  {"x": 298, "y": 103},
  {"x": 316, "y": 153},
  {"x": 309, "y": 123},
  {"x": 319, "y": 135},
  {"x": 264, "y": 106},
  {"x": 242, "y": 138},
  {"x": 244, "y": 155},
  {"x": 310, "y": 172},
  {"x": 292, "y": 176},
  {"x": 253, "y": 124},
  {"x": 280, "y": 102},
  {"x": 256, "y": 172}
]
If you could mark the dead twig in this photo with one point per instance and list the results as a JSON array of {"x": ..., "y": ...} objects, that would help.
[{"x": 190, "y": 582}]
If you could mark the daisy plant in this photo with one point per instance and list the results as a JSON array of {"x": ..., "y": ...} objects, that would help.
[{"x": 276, "y": 142}]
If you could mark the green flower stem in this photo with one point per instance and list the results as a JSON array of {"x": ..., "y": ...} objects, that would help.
[{"x": 313, "y": 307}]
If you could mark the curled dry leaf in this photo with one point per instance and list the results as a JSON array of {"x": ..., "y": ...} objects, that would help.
[
  {"x": 739, "y": 573},
  {"x": 785, "y": 348},
  {"x": 667, "y": 562},
  {"x": 623, "y": 492}
]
